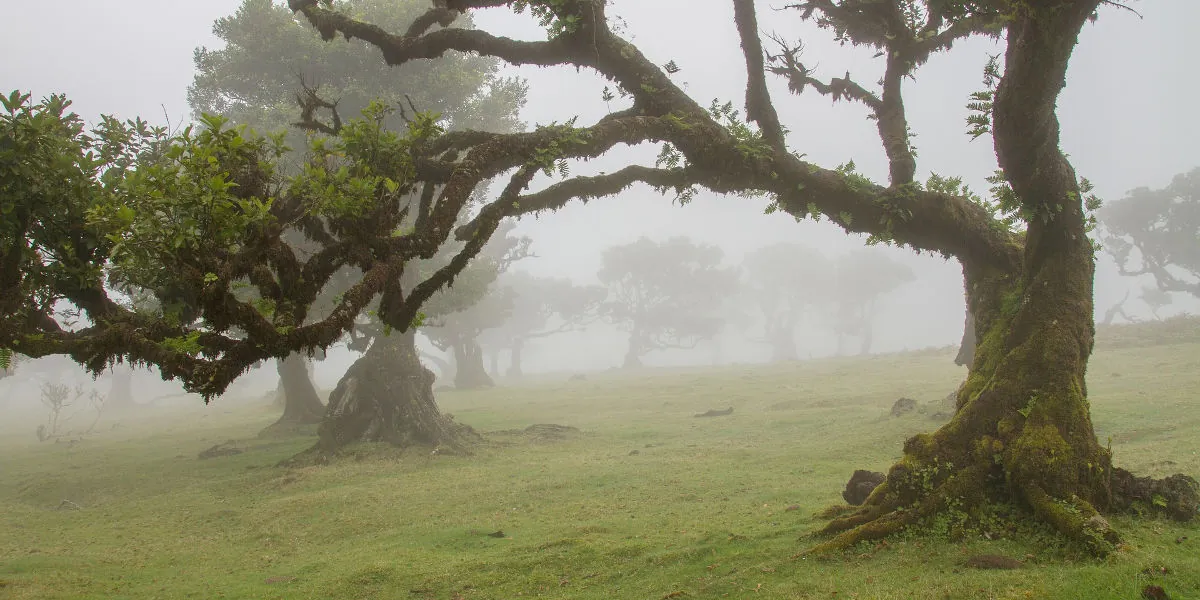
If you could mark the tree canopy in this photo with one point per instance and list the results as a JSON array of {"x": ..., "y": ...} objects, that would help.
[
  {"x": 195, "y": 218},
  {"x": 269, "y": 52}
]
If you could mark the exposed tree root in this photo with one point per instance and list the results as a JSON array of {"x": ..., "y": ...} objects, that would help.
[
  {"x": 1075, "y": 518},
  {"x": 387, "y": 396},
  {"x": 888, "y": 511},
  {"x": 890, "y": 508}
]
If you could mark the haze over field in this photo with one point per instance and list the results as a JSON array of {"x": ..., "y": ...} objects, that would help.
[{"x": 1129, "y": 75}]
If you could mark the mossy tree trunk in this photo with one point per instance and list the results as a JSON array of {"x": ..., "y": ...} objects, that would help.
[
  {"x": 387, "y": 396},
  {"x": 470, "y": 372},
  {"x": 301, "y": 404},
  {"x": 1022, "y": 431}
]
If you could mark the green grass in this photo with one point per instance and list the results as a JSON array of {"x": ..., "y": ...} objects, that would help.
[{"x": 699, "y": 511}]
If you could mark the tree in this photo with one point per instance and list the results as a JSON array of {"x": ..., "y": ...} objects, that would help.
[
  {"x": 1021, "y": 429},
  {"x": 1155, "y": 232},
  {"x": 667, "y": 295},
  {"x": 268, "y": 52},
  {"x": 459, "y": 334},
  {"x": 471, "y": 308},
  {"x": 197, "y": 218},
  {"x": 862, "y": 277},
  {"x": 785, "y": 280},
  {"x": 540, "y": 307}
]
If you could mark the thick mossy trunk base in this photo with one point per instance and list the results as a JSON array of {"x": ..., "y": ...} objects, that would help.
[
  {"x": 1022, "y": 433},
  {"x": 387, "y": 396}
]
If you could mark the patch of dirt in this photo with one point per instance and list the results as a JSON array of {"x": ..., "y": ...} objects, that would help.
[
  {"x": 716, "y": 413},
  {"x": 1154, "y": 592}
]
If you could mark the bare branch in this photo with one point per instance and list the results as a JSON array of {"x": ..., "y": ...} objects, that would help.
[
  {"x": 399, "y": 49},
  {"x": 309, "y": 103},
  {"x": 485, "y": 224},
  {"x": 924, "y": 220},
  {"x": 758, "y": 100},
  {"x": 787, "y": 63}
]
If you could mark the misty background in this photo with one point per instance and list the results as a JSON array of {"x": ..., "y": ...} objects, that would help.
[{"x": 1127, "y": 117}]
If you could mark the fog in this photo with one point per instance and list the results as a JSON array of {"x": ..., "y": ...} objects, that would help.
[
  {"x": 1126, "y": 114},
  {"x": 642, "y": 395}
]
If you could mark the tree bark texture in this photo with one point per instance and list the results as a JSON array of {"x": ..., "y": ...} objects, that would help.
[{"x": 387, "y": 396}]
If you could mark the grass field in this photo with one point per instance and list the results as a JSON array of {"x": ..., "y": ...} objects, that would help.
[{"x": 645, "y": 501}]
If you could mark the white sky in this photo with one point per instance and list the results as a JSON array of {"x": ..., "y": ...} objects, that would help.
[{"x": 1128, "y": 118}]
